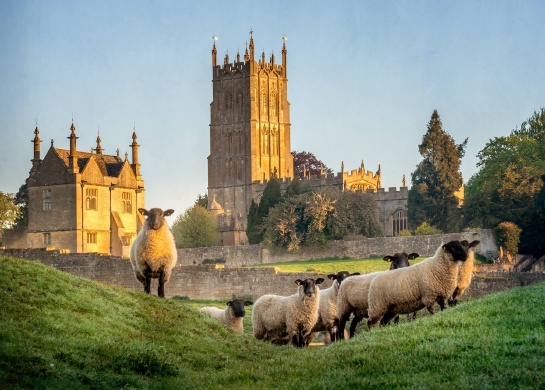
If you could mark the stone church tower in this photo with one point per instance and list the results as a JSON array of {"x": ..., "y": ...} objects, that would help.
[{"x": 249, "y": 136}]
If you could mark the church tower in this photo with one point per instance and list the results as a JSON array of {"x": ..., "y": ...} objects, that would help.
[{"x": 249, "y": 134}]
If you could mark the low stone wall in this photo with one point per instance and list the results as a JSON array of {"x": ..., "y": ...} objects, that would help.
[
  {"x": 222, "y": 283},
  {"x": 236, "y": 256}
]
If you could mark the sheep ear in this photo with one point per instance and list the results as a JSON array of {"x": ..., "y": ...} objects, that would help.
[
  {"x": 298, "y": 282},
  {"x": 143, "y": 211},
  {"x": 229, "y": 303},
  {"x": 168, "y": 212},
  {"x": 248, "y": 303},
  {"x": 388, "y": 258},
  {"x": 413, "y": 256},
  {"x": 332, "y": 276},
  {"x": 474, "y": 243},
  {"x": 319, "y": 281},
  {"x": 355, "y": 273}
]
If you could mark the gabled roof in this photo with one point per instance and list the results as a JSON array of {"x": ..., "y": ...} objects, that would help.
[{"x": 109, "y": 165}]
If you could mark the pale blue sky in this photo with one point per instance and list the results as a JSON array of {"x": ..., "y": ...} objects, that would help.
[{"x": 364, "y": 79}]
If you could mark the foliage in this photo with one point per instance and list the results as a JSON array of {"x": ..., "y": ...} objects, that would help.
[
  {"x": 258, "y": 212},
  {"x": 307, "y": 163},
  {"x": 356, "y": 213},
  {"x": 425, "y": 229},
  {"x": 405, "y": 233},
  {"x": 8, "y": 210},
  {"x": 299, "y": 220},
  {"x": 436, "y": 179},
  {"x": 202, "y": 200},
  {"x": 196, "y": 227},
  {"x": 59, "y": 331},
  {"x": 295, "y": 188},
  {"x": 21, "y": 199},
  {"x": 508, "y": 236},
  {"x": 508, "y": 180}
]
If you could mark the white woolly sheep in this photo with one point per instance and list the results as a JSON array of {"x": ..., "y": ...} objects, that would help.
[
  {"x": 465, "y": 274},
  {"x": 327, "y": 312},
  {"x": 353, "y": 293},
  {"x": 283, "y": 320},
  {"x": 406, "y": 290},
  {"x": 232, "y": 315},
  {"x": 153, "y": 252}
]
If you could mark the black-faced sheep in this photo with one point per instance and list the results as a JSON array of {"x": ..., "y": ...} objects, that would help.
[
  {"x": 327, "y": 312},
  {"x": 409, "y": 289},
  {"x": 283, "y": 320},
  {"x": 232, "y": 315},
  {"x": 353, "y": 293},
  {"x": 465, "y": 273},
  {"x": 153, "y": 252}
]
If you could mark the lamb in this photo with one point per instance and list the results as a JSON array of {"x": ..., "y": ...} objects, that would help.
[
  {"x": 283, "y": 320},
  {"x": 232, "y": 315},
  {"x": 464, "y": 274},
  {"x": 409, "y": 289},
  {"x": 353, "y": 293},
  {"x": 153, "y": 252},
  {"x": 327, "y": 312}
]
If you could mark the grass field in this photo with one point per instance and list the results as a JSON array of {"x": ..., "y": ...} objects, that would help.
[{"x": 58, "y": 331}]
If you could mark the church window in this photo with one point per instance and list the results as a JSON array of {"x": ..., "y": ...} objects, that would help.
[
  {"x": 126, "y": 202},
  {"x": 126, "y": 240},
  {"x": 91, "y": 238},
  {"x": 399, "y": 222},
  {"x": 264, "y": 100},
  {"x": 46, "y": 194},
  {"x": 47, "y": 239},
  {"x": 91, "y": 198},
  {"x": 273, "y": 103}
]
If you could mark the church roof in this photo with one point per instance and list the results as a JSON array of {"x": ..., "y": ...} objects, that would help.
[{"x": 109, "y": 165}]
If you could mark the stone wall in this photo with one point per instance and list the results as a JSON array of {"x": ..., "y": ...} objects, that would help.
[
  {"x": 357, "y": 249},
  {"x": 216, "y": 282}
]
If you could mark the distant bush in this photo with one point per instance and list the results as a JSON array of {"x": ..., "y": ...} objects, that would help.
[
  {"x": 508, "y": 236},
  {"x": 425, "y": 229},
  {"x": 405, "y": 233}
]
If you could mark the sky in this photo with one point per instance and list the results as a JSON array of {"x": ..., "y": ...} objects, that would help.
[{"x": 363, "y": 79}]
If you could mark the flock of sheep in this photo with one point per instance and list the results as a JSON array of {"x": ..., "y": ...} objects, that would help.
[{"x": 297, "y": 319}]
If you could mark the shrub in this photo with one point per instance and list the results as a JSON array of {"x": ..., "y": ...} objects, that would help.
[
  {"x": 508, "y": 236},
  {"x": 405, "y": 233},
  {"x": 426, "y": 229}
]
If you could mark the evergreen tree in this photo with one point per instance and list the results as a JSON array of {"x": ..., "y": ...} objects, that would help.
[
  {"x": 253, "y": 225},
  {"x": 21, "y": 199},
  {"x": 436, "y": 179},
  {"x": 202, "y": 200},
  {"x": 256, "y": 215}
]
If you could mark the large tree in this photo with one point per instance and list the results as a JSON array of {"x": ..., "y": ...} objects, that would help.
[
  {"x": 196, "y": 227},
  {"x": 508, "y": 181},
  {"x": 306, "y": 162},
  {"x": 436, "y": 179},
  {"x": 259, "y": 211},
  {"x": 21, "y": 199},
  {"x": 355, "y": 214},
  {"x": 8, "y": 210}
]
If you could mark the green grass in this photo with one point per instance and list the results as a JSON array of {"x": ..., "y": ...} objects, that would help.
[{"x": 58, "y": 331}]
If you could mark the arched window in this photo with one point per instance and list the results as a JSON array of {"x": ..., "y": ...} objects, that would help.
[{"x": 400, "y": 221}]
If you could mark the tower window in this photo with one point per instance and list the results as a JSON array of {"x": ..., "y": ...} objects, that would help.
[
  {"x": 399, "y": 222},
  {"x": 126, "y": 202},
  {"x": 46, "y": 195},
  {"x": 91, "y": 238},
  {"x": 47, "y": 239},
  {"x": 91, "y": 198}
]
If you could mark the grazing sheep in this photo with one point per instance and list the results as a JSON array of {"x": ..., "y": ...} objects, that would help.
[
  {"x": 401, "y": 260},
  {"x": 327, "y": 312},
  {"x": 406, "y": 290},
  {"x": 353, "y": 293},
  {"x": 232, "y": 315},
  {"x": 283, "y": 320},
  {"x": 153, "y": 252},
  {"x": 464, "y": 274}
]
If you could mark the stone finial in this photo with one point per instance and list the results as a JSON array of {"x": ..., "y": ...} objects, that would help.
[
  {"x": 403, "y": 184},
  {"x": 99, "y": 148}
]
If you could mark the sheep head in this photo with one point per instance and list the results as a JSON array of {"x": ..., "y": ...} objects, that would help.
[
  {"x": 155, "y": 217},
  {"x": 237, "y": 306},
  {"x": 340, "y": 276},
  {"x": 457, "y": 250},
  {"x": 309, "y": 285},
  {"x": 400, "y": 260}
]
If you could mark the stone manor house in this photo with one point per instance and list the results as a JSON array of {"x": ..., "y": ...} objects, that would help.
[{"x": 250, "y": 140}]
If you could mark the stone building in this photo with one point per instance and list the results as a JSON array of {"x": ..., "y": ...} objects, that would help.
[
  {"x": 250, "y": 141},
  {"x": 83, "y": 201}
]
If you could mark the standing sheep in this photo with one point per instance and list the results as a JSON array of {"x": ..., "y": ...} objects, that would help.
[
  {"x": 232, "y": 315},
  {"x": 465, "y": 274},
  {"x": 409, "y": 289},
  {"x": 353, "y": 293},
  {"x": 153, "y": 252},
  {"x": 283, "y": 320},
  {"x": 327, "y": 312}
]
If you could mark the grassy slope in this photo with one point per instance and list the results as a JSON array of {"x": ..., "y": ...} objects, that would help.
[{"x": 60, "y": 331}]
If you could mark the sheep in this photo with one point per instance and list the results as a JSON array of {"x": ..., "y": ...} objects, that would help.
[
  {"x": 288, "y": 319},
  {"x": 401, "y": 260},
  {"x": 153, "y": 252},
  {"x": 352, "y": 296},
  {"x": 409, "y": 289},
  {"x": 464, "y": 274},
  {"x": 327, "y": 312},
  {"x": 232, "y": 315}
]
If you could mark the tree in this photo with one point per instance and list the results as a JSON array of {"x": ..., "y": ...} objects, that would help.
[
  {"x": 202, "y": 200},
  {"x": 305, "y": 162},
  {"x": 508, "y": 238},
  {"x": 21, "y": 199},
  {"x": 8, "y": 210},
  {"x": 356, "y": 213},
  {"x": 258, "y": 212},
  {"x": 508, "y": 180},
  {"x": 196, "y": 227},
  {"x": 436, "y": 179}
]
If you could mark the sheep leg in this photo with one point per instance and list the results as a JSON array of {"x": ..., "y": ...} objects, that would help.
[
  {"x": 355, "y": 322},
  {"x": 342, "y": 325},
  {"x": 147, "y": 281},
  {"x": 442, "y": 303},
  {"x": 388, "y": 317},
  {"x": 161, "y": 290}
]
